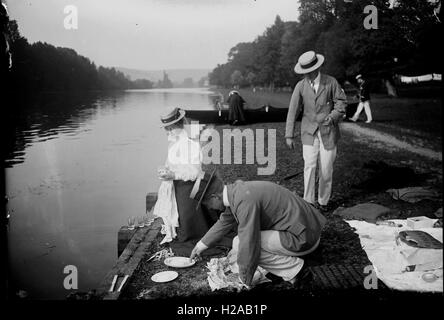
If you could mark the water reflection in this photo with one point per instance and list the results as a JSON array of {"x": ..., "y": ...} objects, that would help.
[
  {"x": 76, "y": 167},
  {"x": 39, "y": 117}
]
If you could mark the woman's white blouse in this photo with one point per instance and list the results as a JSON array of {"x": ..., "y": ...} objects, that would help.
[
  {"x": 184, "y": 159},
  {"x": 184, "y": 156}
]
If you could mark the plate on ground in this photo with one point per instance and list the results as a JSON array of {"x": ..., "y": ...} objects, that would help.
[
  {"x": 179, "y": 262},
  {"x": 164, "y": 276}
]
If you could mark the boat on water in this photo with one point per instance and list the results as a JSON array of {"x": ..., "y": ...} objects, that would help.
[{"x": 265, "y": 113}]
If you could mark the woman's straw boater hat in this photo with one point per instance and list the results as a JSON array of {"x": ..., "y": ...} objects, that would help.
[
  {"x": 308, "y": 62},
  {"x": 206, "y": 182},
  {"x": 172, "y": 117}
]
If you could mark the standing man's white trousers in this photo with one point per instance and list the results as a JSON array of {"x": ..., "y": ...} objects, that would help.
[{"x": 326, "y": 158}]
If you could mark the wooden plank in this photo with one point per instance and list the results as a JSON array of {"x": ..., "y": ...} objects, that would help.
[
  {"x": 129, "y": 260},
  {"x": 124, "y": 236}
]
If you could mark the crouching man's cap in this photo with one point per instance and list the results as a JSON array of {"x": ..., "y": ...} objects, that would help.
[{"x": 204, "y": 183}]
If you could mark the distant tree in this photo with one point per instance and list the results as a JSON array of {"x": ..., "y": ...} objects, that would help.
[
  {"x": 269, "y": 54},
  {"x": 41, "y": 66},
  {"x": 142, "y": 84},
  {"x": 202, "y": 82},
  {"x": 236, "y": 78},
  {"x": 251, "y": 78},
  {"x": 188, "y": 83},
  {"x": 405, "y": 42}
]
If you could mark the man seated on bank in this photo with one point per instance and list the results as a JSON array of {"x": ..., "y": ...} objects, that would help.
[{"x": 275, "y": 226}]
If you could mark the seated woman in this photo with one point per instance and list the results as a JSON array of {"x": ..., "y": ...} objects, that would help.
[{"x": 174, "y": 205}]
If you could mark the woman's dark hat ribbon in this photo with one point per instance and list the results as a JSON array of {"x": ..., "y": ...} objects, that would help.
[{"x": 173, "y": 116}]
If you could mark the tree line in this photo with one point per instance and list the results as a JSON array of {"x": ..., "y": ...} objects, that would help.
[
  {"x": 405, "y": 42},
  {"x": 44, "y": 67}
]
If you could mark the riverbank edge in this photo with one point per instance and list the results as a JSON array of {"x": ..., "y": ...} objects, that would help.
[{"x": 136, "y": 249}]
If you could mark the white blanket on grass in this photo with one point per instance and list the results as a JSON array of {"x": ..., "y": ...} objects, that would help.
[{"x": 390, "y": 258}]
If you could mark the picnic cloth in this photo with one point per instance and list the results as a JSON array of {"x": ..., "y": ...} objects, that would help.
[
  {"x": 413, "y": 194},
  {"x": 364, "y": 211},
  {"x": 224, "y": 273},
  {"x": 391, "y": 258}
]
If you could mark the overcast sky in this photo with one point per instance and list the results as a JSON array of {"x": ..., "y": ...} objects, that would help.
[{"x": 151, "y": 34}]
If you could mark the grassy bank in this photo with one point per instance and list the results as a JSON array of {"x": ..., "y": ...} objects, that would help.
[{"x": 354, "y": 182}]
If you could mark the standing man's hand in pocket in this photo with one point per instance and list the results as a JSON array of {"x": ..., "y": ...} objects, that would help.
[
  {"x": 290, "y": 143},
  {"x": 328, "y": 121}
]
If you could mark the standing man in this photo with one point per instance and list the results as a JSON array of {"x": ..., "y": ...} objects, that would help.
[
  {"x": 364, "y": 100},
  {"x": 275, "y": 227},
  {"x": 323, "y": 103}
]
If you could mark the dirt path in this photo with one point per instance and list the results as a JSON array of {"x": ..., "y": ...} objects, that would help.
[{"x": 387, "y": 142}]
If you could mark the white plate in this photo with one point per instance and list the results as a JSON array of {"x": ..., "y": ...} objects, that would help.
[
  {"x": 179, "y": 262},
  {"x": 164, "y": 276}
]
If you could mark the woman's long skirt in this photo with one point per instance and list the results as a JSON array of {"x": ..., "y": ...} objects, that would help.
[{"x": 236, "y": 112}]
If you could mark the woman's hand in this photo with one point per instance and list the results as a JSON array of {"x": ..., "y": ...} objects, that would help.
[{"x": 165, "y": 174}]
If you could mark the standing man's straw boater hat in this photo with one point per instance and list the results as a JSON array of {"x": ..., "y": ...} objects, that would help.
[
  {"x": 206, "y": 181},
  {"x": 359, "y": 76},
  {"x": 308, "y": 62},
  {"x": 172, "y": 117}
]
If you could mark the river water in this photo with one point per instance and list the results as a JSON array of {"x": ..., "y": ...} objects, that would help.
[{"x": 79, "y": 166}]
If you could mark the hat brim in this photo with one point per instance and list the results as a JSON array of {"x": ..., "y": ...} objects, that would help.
[
  {"x": 205, "y": 189},
  {"x": 298, "y": 69},
  {"x": 181, "y": 116}
]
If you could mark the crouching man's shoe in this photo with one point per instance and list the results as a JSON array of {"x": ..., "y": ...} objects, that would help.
[{"x": 303, "y": 279}]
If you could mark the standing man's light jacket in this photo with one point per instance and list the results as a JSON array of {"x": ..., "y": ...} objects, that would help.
[
  {"x": 261, "y": 205},
  {"x": 329, "y": 100}
]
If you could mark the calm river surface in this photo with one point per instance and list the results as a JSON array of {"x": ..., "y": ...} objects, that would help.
[{"x": 79, "y": 167}]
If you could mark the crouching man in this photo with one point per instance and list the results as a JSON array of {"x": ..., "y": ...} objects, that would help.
[{"x": 275, "y": 227}]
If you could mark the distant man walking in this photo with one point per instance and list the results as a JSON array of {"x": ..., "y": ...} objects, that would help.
[
  {"x": 323, "y": 102},
  {"x": 364, "y": 100}
]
